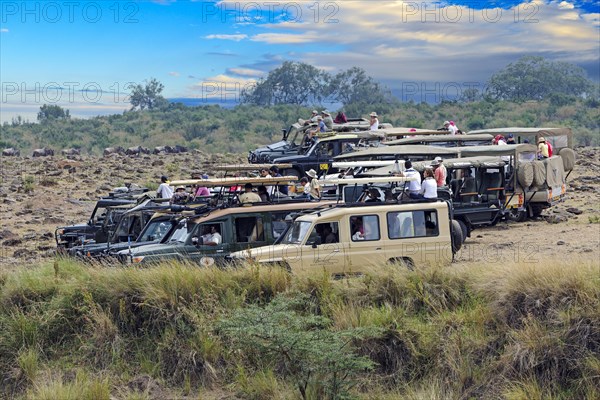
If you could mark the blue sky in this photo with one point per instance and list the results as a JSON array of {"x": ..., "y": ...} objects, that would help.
[{"x": 421, "y": 50}]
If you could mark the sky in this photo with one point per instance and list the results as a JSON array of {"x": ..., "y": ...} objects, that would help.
[{"x": 85, "y": 55}]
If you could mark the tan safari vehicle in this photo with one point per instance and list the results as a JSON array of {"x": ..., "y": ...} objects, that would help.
[{"x": 352, "y": 240}]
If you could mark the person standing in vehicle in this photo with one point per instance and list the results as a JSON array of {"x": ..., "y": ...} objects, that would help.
[
  {"x": 314, "y": 186},
  {"x": 164, "y": 191},
  {"x": 249, "y": 196},
  {"x": 327, "y": 120},
  {"x": 510, "y": 139},
  {"x": 452, "y": 128},
  {"x": 542, "y": 149},
  {"x": 439, "y": 171},
  {"x": 274, "y": 171},
  {"x": 429, "y": 187},
  {"x": 374, "y": 122},
  {"x": 414, "y": 185},
  {"x": 340, "y": 118}
]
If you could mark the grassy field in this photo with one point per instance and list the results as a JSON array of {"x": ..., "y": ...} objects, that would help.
[{"x": 520, "y": 331}]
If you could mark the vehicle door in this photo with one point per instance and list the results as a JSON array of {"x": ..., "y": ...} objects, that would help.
[
  {"x": 365, "y": 244},
  {"x": 323, "y": 250},
  {"x": 416, "y": 235},
  {"x": 322, "y": 156},
  {"x": 200, "y": 248}
]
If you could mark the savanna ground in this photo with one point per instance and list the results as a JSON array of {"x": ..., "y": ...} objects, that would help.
[{"x": 516, "y": 316}]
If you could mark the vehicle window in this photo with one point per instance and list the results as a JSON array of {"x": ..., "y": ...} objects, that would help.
[
  {"x": 249, "y": 229},
  {"x": 328, "y": 232},
  {"x": 180, "y": 234},
  {"x": 210, "y": 234},
  {"x": 296, "y": 233},
  {"x": 527, "y": 156},
  {"x": 347, "y": 147},
  {"x": 156, "y": 230},
  {"x": 410, "y": 224},
  {"x": 279, "y": 223},
  {"x": 364, "y": 228}
]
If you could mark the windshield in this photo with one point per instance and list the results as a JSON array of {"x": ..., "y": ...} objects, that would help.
[
  {"x": 296, "y": 233},
  {"x": 180, "y": 234},
  {"x": 156, "y": 230}
]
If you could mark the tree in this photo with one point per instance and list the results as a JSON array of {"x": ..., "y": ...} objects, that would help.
[
  {"x": 535, "y": 78},
  {"x": 52, "y": 112},
  {"x": 148, "y": 95},
  {"x": 355, "y": 86},
  {"x": 291, "y": 83}
]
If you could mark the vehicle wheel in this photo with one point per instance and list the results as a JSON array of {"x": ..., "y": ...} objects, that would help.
[
  {"x": 456, "y": 235},
  {"x": 536, "y": 210},
  {"x": 516, "y": 215},
  {"x": 403, "y": 262},
  {"x": 464, "y": 229}
]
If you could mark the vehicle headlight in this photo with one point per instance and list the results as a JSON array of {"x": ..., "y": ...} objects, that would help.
[
  {"x": 61, "y": 232},
  {"x": 137, "y": 259}
]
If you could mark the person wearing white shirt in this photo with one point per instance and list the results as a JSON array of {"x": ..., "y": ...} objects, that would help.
[
  {"x": 164, "y": 191},
  {"x": 429, "y": 187},
  {"x": 452, "y": 128},
  {"x": 414, "y": 185},
  {"x": 213, "y": 238},
  {"x": 374, "y": 122}
]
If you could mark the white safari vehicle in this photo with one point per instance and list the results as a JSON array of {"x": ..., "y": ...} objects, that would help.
[{"x": 355, "y": 239}]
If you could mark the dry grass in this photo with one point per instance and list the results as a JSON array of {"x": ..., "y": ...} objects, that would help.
[{"x": 514, "y": 331}]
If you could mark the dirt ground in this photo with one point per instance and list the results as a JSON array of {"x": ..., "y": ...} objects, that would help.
[{"x": 39, "y": 194}]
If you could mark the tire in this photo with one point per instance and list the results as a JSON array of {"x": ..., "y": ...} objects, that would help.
[
  {"x": 539, "y": 174},
  {"x": 568, "y": 156},
  {"x": 536, "y": 210},
  {"x": 515, "y": 215},
  {"x": 403, "y": 262},
  {"x": 464, "y": 229},
  {"x": 456, "y": 235},
  {"x": 525, "y": 174}
]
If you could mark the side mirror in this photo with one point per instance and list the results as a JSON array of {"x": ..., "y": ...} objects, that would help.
[{"x": 316, "y": 243}]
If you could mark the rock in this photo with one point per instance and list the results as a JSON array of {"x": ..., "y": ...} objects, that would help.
[
  {"x": 29, "y": 236},
  {"x": 21, "y": 253},
  {"x": 9, "y": 201},
  {"x": 574, "y": 210},
  {"x": 52, "y": 220},
  {"x": 12, "y": 242},
  {"x": 556, "y": 219},
  {"x": 560, "y": 243},
  {"x": 6, "y": 234}
]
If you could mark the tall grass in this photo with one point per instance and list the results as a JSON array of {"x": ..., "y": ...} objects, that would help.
[{"x": 515, "y": 331}]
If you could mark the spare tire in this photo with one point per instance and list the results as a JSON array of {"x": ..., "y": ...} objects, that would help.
[
  {"x": 456, "y": 236},
  {"x": 525, "y": 174},
  {"x": 568, "y": 157},
  {"x": 539, "y": 173},
  {"x": 464, "y": 230}
]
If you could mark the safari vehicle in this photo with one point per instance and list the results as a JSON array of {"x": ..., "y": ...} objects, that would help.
[
  {"x": 292, "y": 139},
  {"x": 355, "y": 239},
  {"x": 239, "y": 228},
  {"x": 531, "y": 185},
  {"x": 559, "y": 138},
  {"x": 133, "y": 225},
  {"x": 320, "y": 154},
  {"x": 444, "y": 140},
  {"x": 474, "y": 184},
  {"x": 102, "y": 216},
  {"x": 413, "y": 152}
]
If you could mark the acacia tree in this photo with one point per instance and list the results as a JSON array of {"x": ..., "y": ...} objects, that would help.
[
  {"x": 148, "y": 95},
  {"x": 49, "y": 112},
  {"x": 355, "y": 86},
  {"x": 291, "y": 83},
  {"x": 535, "y": 78}
]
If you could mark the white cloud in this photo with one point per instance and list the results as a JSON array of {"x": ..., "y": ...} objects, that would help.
[
  {"x": 564, "y": 5},
  {"x": 249, "y": 72},
  {"x": 4, "y": 30},
  {"x": 236, "y": 37},
  {"x": 174, "y": 73}
]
